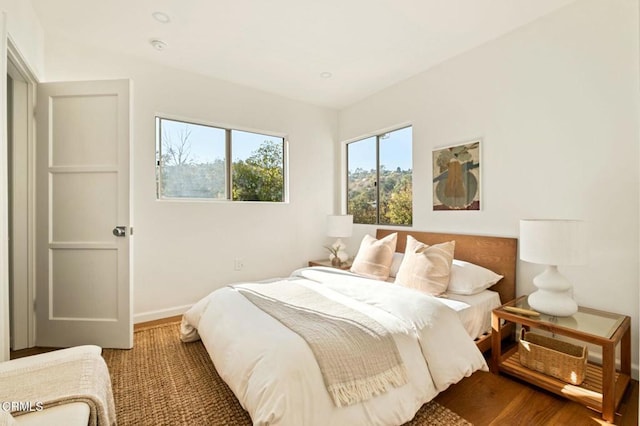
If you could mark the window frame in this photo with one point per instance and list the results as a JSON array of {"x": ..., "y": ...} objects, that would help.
[
  {"x": 378, "y": 135},
  {"x": 228, "y": 162}
]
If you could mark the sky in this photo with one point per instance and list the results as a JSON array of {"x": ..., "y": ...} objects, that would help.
[
  {"x": 207, "y": 144},
  {"x": 395, "y": 151}
]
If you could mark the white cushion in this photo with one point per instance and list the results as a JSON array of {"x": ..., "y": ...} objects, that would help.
[
  {"x": 426, "y": 268},
  {"x": 374, "y": 257},
  {"x": 72, "y": 414},
  {"x": 395, "y": 264},
  {"x": 469, "y": 278}
]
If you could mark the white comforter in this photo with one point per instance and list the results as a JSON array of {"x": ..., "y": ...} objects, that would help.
[{"x": 274, "y": 375}]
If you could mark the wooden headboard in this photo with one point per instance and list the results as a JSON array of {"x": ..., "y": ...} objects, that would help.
[{"x": 498, "y": 254}]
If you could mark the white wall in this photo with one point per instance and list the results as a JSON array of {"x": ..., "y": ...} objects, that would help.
[
  {"x": 556, "y": 105},
  {"x": 26, "y": 32},
  {"x": 184, "y": 250}
]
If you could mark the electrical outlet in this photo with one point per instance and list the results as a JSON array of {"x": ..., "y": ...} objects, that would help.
[{"x": 238, "y": 264}]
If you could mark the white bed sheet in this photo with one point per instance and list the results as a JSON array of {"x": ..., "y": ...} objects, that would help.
[
  {"x": 474, "y": 310},
  {"x": 274, "y": 375}
]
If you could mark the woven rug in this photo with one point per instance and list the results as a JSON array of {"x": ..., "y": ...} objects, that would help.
[{"x": 162, "y": 381}]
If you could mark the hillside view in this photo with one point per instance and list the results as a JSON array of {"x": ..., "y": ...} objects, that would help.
[
  {"x": 183, "y": 174},
  {"x": 395, "y": 196}
]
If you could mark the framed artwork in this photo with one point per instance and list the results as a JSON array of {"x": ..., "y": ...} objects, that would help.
[{"x": 456, "y": 177}]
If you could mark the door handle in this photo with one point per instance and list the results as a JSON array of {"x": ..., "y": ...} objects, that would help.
[{"x": 120, "y": 231}]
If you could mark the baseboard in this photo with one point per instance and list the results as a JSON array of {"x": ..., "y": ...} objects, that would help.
[
  {"x": 596, "y": 358},
  {"x": 160, "y": 314}
]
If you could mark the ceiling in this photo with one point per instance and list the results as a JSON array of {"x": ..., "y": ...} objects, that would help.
[{"x": 283, "y": 46}]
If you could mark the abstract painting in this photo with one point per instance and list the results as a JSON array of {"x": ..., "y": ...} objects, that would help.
[{"x": 456, "y": 177}]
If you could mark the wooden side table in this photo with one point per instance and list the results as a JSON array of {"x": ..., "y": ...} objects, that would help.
[
  {"x": 603, "y": 386},
  {"x": 326, "y": 262}
]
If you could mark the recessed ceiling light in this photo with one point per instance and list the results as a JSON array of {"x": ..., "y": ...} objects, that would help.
[
  {"x": 161, "y": 17},
  {"x": 326, "y": 74},
  {"x": 158, "y": 44}
]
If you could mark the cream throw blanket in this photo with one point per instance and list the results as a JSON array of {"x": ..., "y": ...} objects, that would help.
[
  {"x": 81, "y": 377},
  {"x": 358, "y": 357}
]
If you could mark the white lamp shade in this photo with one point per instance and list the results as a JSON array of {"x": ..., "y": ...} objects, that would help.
[
  {"x": 553, "y": 242},
  {"x": 339, "y": 226}
]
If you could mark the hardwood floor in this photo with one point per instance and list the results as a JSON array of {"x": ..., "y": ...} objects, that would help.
[
  {"x": 489, "y": 399},
  {"x": 144, "y": 325},
  {"x": 30, "y": 351}
]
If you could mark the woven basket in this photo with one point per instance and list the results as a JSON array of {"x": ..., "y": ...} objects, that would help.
[{"x": 562, "y": 360}]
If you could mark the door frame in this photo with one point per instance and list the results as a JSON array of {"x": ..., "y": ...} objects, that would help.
[
  {"x": 4, "y": 199},
  {"x": 24, "y": 296}
]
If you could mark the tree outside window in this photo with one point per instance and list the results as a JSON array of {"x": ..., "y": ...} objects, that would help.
[
  {"x": 379, "y": 179},
  {"x": 191, "y": 163}
]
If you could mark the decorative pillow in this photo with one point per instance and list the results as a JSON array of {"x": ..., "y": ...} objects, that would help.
[
  {"x": 469, "y": 278},
  {"x": 374, "y": 257},
  {"x": 426, "y": 268},
  {"x": 395, "y": 264}
]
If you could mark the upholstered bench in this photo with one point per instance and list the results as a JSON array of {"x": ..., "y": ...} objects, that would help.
[{"x": 29, "y": 389}]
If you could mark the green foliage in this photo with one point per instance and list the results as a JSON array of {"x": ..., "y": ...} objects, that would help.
[
  {"x": 261, "y": 176},
  {"x": 399, "y": 209},
  {"x": 362, "y": 196},
  {"x": 396, "y": 206}
]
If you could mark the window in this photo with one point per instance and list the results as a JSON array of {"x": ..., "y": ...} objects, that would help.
[
  {"x": 192, "y": 163},
  {"x": 379, "y": 179}
]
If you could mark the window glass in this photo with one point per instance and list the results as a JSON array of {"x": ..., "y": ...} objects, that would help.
[
  {"x": 379, "y": 179},
  {"x": 191, "y": 163},
  {"x": 395, "y": 177},
  {"x": 362, "y": 180},
  {"x": 192, "y": 160},
  {"x": 258, "y": 167}
]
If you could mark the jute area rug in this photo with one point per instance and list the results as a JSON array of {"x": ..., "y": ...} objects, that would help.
[{"x": 162, "y": 381}]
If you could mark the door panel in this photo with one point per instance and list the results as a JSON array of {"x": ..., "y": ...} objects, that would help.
[
  {"x": 92, "y": 195},
  {"x": 83, "y": 279},
  {"x": 74, "y": 123},
  {"x": 80, "y": 275}
]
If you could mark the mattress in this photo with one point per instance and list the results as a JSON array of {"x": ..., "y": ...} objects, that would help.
[{"x": 474, "y": 310}]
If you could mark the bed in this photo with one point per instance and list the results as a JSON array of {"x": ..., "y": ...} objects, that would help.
[
  {"x": 498, "y": 254},
  {"x": 278, "y": 379}
]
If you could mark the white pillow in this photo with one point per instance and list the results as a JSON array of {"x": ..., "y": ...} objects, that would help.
[
  {"x": 469, "y": 278},
  {"x": 395, "y": 264},
  {"x": 374, "y": 257},
  {"x": 426, "y": 268}
]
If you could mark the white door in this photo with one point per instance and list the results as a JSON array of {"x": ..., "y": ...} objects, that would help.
[{"x": 83, "y": 291}]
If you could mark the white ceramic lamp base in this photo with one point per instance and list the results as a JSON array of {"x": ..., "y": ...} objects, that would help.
[
  {"x": 557, "y": 304},
  {"x": 554, "y": 295}
]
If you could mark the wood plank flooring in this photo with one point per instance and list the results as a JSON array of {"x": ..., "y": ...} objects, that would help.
[{"x": 489, "y": 399}]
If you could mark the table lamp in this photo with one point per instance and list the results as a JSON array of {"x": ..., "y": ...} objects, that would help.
[
  {"x": 553, "y": 243},
  {"x": 339, "y": 226}
]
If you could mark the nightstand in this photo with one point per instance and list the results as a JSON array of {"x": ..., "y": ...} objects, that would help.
[
  {"x": 603, "y": 386},
  {"x": 326, "y": 262}
]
